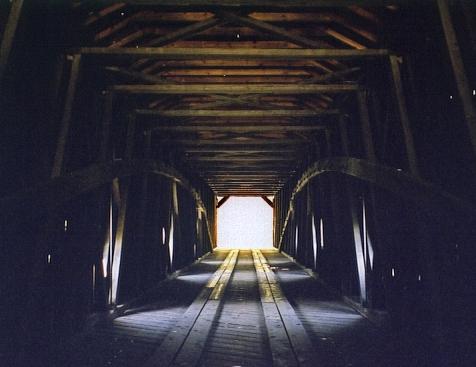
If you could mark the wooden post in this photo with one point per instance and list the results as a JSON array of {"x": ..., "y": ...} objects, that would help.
[
  {"x": 56, "y": 82},
  {"x": 66, "y": 119},
  {"x": 458, "y": 70},
  {"x": 358, "y": 241},
  {"x": 144, "y": 199},
  {"x": 468, "y": 12},
  {"x": 403, "y": 112},
  {"x": 366, "y": 129},
  {"x": 344, "y": 136},
  {"x": 105, "y": 148},
  {"x": 130, "y": 139},
  {"x": 334, "y": 197},
  {"x": 121, "y": 220},
  {"x": 9, "y": 34}
]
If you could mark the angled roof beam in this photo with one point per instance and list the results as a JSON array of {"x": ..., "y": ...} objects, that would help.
[
  {"x": 269, "y": 202},
  {"x": 185, "y": 32},
  {"x": 180, "y": 34},
  {"x": 222, "y": 201},
  {"x": 335, "y": 75},
  {"x": 261, "y": 26},
  {"x": 9, "y": 34},
  {"x": 135, "y": 75}
]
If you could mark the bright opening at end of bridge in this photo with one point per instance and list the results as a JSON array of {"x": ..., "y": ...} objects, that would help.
[{"x": 245, "y": 222}]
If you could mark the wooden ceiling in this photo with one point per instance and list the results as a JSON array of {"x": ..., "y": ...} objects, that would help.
[{"x": 238, "y": 90}]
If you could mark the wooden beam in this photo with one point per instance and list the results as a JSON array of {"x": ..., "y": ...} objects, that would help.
[
  {"x": 210, "y": 172},
  {"x": 403, "y": 112},
  {"x": 235, "y": 88},
  {"x": 61, "y": 190},
  {"x": 204, "y": 53},
  {"x": 239, "y": 155},
  {"x": 264, "y": 177},
  {"x": 231, "y": 166},
  {"x": 335, "y": 75},
  {"x": 245, "y": 193},
  {"x": 9, "y": 34},
  {"x": 458, "y": 70},
  {"x": 240, "y": 181},
  {"x": 268, "y": 28},
  {"x": 344, "y": 136},
  {"x": 236, "y": 128},
  {"x": 121, "y": 219},
  {"x": 222, "y": 201},
  {"x": 269, "y": 202},
  {"x": 264, "y": 142},
  {"x": 135, "y": 75},
  {"x": 66, "y": 118},
  {"x": 283, "y": 158},
  {"x": 227, "y": 185},
  {"x": 237, "y": 113},
  {"x": 248, "y": 179},
  {"x": 104, "y": 150},
  {"x": 366, "y": 128},
  {"x": 185, "y": 32},
  {"x": 261, "y": 4},
  {"x": 239, "y": 150},
  {"x": 238, "y": 64}
]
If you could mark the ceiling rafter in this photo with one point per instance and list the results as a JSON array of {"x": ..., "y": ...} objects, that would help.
[{"x": 240, "y": 94}]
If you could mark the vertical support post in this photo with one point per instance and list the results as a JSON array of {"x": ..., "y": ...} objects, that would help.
[
  {"x": 470, "y": 22},
  {"x": 458, "y": 70},
  {"x": 121, "y": 220},
  {"x": 114, "y": 194},
  {"x": 66, "y": 118},
  {"x": 215, "y": 223},
  {"x": 366, "y": 129},
  {"x": 130, "y": 138},
  {"x": 9, "y": 34},
  {"x": 334, "y": 197},
  {"x": 344, "y": 136},
  {"x": 174, "y": 223},
  {"x": 357, "y": 236},
  {"x": 56, "y": 82},
  {"x": 403, "y": 112},
  {"x": 105, "y": 148},
  {"x": 143, "y": 203}
]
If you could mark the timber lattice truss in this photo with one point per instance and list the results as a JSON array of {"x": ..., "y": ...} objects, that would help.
[{"x": 243, "y": 94}]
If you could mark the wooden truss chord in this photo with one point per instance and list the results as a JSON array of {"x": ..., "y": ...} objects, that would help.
[
  {"x": 205, "y": 53},
  {"x": 237, "y": 113},
  {"x": 235, "y": 88},
  {"x": 268, "y": 4}
]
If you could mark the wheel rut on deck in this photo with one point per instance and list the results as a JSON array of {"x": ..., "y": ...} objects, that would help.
[{"x": 238, "y": 335}]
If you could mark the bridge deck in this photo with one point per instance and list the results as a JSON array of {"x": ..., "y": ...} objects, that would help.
[{"x": 239, "y": 308}]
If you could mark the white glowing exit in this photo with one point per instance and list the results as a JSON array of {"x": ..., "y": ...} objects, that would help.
[{"x": 245, "y": 222}]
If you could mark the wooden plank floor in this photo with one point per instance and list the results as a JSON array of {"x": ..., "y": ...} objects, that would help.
[
  {"x": 238, "y": 336},
  {"x": 247, "y": 307},
  {"x": 130, "y": 340},
  {"x": 341, "y": 335}
]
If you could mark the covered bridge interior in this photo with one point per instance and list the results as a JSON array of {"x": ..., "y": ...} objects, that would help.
[{"x": 127, "y": 124}]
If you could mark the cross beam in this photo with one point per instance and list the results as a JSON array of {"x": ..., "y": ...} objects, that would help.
[
  {"x": 273, "y": 4},
  {"x": 272, "y": 89},
  {"x": 238, "y": 113},
  {"x": 206, "y": 53}
]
